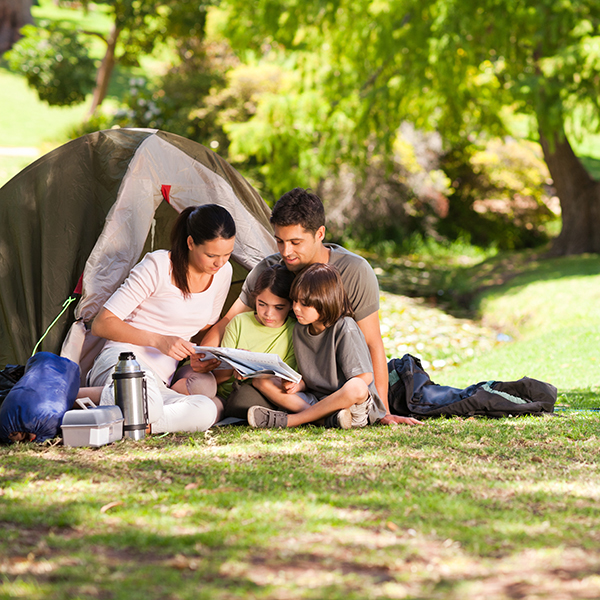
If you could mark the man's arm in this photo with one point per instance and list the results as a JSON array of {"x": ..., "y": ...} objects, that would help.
[{"x": 372, "y": 332}]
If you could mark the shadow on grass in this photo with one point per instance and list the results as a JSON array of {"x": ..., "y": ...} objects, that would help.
[
  {"x": 578, "y": 399},
  {"x": 240, "y": 513}
]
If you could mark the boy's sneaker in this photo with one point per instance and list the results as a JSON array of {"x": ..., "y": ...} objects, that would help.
[
  {"x": 259, "y": 416},
  {"x": 341, "y": 419}
]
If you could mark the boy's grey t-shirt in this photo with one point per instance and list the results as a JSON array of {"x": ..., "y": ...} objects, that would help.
[
  {"x": 357, "y": 276},
  {"x": 327, "y": 360}
]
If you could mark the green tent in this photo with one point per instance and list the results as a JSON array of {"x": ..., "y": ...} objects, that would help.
[{"x": 80, "y": 217}]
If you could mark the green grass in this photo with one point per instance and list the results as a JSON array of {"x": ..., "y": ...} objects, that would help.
[
  {"x": 25, "y": 121},
  {"x": 447, "y": 510},
  {"x": 551, "y": 309}
]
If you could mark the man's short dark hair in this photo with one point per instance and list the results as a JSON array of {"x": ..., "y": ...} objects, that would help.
[{"x": 299, "y": 207}]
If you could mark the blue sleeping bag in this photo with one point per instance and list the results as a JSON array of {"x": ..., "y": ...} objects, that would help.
[{"x": 38, "y": 401}]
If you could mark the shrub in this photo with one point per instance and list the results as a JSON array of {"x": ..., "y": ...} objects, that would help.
[{"x": 54, "y": 62}]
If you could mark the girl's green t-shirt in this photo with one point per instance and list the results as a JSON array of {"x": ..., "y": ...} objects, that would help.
[{"x": 246, "y": 333}]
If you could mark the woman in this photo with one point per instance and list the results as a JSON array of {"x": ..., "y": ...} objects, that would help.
[{"x": 167, "y": 298}]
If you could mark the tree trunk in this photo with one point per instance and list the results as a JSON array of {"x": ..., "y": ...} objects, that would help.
[
  {"x": 105, "y": 71},
  {"x": 13, "y": 15},
  {"x": 579, "y": 196}
]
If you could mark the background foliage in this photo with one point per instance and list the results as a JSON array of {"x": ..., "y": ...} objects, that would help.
[{"x": 411, "y": 119}]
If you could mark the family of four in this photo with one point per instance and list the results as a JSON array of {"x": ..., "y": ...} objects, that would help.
[{"x": 333, "y": 338}]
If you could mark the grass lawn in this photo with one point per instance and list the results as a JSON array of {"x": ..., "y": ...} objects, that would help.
[
  {"x": 552, "y": 311},
  {"x": 27, "y": 122},
  {"x": 456, "y": 509}
]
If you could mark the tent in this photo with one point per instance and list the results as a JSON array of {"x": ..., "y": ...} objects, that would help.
[{"x": 80, "y": 217}]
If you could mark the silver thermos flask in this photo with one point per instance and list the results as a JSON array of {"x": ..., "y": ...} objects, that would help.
[{"x": 131, "y": 396}]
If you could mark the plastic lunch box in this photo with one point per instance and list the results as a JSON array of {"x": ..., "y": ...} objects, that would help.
[{"x": 92, "y": 426}]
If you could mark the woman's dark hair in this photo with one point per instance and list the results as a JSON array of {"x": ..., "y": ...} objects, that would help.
[
  {"x": 277, "y": 279},
  {"x": 321, "y": 287},
  {"x": 203, "y": 223}
]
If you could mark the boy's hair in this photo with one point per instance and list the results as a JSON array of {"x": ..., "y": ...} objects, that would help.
[
  {"x": 277, "y": 279},
  {"x": 321, "y": 287},
  {"x": 299, "y": 207}
]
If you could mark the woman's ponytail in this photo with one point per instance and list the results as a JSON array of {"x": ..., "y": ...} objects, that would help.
[{"x": 204, "y": 223}]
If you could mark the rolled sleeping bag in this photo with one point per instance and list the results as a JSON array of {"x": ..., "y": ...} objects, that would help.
[{"x": 38, "y": 401}]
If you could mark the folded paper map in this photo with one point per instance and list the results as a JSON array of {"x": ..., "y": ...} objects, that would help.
[{"x": 251, "y": 364}]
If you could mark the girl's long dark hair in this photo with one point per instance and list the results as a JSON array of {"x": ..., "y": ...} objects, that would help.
[
  {"x": 320, "y": 286},
  {"x": 203, "y": 223},
  {"x": 277, "y": 279}
]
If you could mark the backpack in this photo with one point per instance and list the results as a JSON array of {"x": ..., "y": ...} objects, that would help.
[
  {"x": 412, "y": 393},
  {"x": 8, "y": 377}
]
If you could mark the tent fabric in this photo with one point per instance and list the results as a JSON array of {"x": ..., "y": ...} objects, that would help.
[{"x": 94, "y": 206}]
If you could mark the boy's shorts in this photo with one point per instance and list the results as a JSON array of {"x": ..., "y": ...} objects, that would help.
[{"x": 308, "y": 397}]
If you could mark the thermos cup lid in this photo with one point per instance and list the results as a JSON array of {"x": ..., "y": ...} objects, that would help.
[{"x": 127, "y": 364}]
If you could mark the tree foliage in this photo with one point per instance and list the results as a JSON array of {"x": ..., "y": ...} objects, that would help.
[
  {"x": 440, "y": 63},
  {"x": 55, "y": 59},
  {"x": 445, "y": 65},
  {"x": 54, "y": 62}
]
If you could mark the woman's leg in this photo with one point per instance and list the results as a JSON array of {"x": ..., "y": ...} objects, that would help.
[
  {"x": 93, "y": 393},
  {"x": 187, "y": 382},
  {"x": 187, "y": 413}
]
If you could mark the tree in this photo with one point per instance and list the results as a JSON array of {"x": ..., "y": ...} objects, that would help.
[
  {"x": 452, "y": 66},
  {"x": 14, "y": 14},
  {"x": 137, "y": 27}
]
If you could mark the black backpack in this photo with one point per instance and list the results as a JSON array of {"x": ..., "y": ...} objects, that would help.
[
  {"x": 412, "y": 393},
  {"x": 8, "y": 377}
]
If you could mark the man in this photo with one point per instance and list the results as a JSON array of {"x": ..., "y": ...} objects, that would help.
[{"x": 298, "y": 219}]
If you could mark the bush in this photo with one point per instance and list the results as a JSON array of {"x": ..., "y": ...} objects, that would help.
[{"x": 54, "y": 62}]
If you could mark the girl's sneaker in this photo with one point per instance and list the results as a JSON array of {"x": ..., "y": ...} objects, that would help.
[{"x": 265, "y": 418}]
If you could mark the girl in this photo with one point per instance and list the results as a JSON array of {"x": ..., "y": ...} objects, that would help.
[
  {"x": 268, "y": 329},
  {"x": 332, "y": 356},
  {"x": 167, "y": 298}
]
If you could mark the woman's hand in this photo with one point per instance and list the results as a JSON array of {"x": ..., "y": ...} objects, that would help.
[
  {"x": 110, "y": 327},
  {"x": 174, "y": 346}
]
